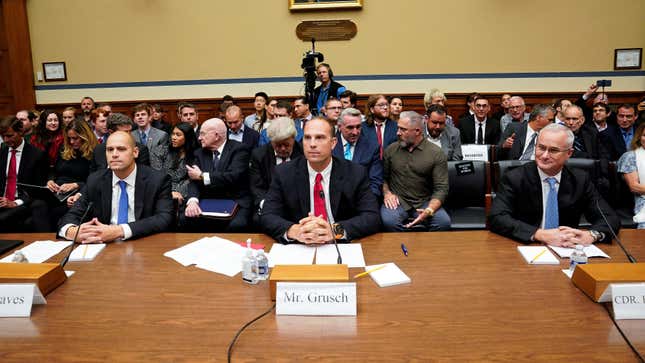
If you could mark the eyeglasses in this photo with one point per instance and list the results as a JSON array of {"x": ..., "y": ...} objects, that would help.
[
  {"x": 381, "y": 105},
  {"x": 551, "y": 150},
  {"x": 334, "y": 108}
]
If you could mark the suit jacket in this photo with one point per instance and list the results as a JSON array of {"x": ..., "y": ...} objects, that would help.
[
  {"x": 366, "y": 153},
  {"x": 157, "y": 143},
  {"x": 99, "y": 159},
  {"x": 163, "y": 126},
  {"x": 153, "y": 206},
  {"x": 389, "y": 136},
  {"x": 467, "y": 127},
  {"x": 515, "y": 152},
  {"x": 250, "y": 138},
  {"x": 517, "y": 208},
  {"x": 451, "y": 143},
  {"x": 229, "y": 180},
  {"x": 33, "y": 169},
  {"x": 613, "y": 138},
  {"x": 353, "y": 205},
  {"x": 262, "y": 168},
  {"x": 594, "y": 149}
]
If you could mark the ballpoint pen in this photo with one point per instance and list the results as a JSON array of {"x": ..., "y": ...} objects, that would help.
[{"x": 404, "y": 249}]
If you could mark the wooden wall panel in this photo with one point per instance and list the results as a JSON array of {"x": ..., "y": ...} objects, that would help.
[{"x": 18, "y": 51}]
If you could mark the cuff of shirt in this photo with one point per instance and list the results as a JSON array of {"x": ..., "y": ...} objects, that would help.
[
  {"x": 127, "y": 232},
  {"x": 207, "y": 178},
  {"x": 63, "y": 231},
  {"x": 192, "y": 199},
  {"x": 19, "y": 202}
]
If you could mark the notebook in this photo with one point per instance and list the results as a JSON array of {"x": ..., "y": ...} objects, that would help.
[
  {"x": 390, "y": 275},
  {"x": 538, "y": 255},
  {"x": 86, "y": 252},
  {"x": 218, "y": 208},
  {"x": 8, "y": 245}
]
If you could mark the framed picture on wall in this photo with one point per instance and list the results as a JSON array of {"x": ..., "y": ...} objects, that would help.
[
  {"x": 628, "y": 58},
  {"x": 303, "y": 5},
  {"x": 54, "y": 71}
]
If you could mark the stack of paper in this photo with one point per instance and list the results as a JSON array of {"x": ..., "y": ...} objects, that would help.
[
  {"x": 293, "y": 254},
  {"x": 390, "y": 275},
  {"x": 538, "y": 255},
  {"x": 590, "y": 251},
  {"x": 40, "y": 251},
  {"x": 86, "y": 252},
  {"x": 351, "y": 254},
  {"x": 211, "y": 253}
]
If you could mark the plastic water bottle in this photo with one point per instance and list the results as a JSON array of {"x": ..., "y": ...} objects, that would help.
[
  {"x": 578, "y": 257},
  {"x": 249, "y": 266},
  {"x": 19, "y": 257},
  {"x": 263, "y": 265}
]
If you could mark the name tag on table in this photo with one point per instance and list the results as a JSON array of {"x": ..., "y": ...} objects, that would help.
[
  {"x": 327, "y": 298},
  {"x": 628, "y": 301},
  {"x": 16, "y": 299}
]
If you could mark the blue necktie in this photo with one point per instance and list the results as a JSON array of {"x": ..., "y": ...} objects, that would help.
[
  {"x": 348, "y": 151},
  {"x": 123, "y": 204},
  {"x": 551, "y": 216},
  {"x": 144, "y": 138}
]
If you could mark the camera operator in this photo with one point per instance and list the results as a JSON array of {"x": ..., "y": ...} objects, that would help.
[{"x": 328, "y": 87}]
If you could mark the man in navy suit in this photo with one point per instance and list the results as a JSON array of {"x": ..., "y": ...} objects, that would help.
[
  {"x": 319, "y": 198},
  {"x": 128, "y": 200},
  {"x": 359, "y": 149},
  {"x": 619, "y": 137},
  {"x": 237, "y": 131},
  {"x": 378, "y": 127},
  {"x": 519, "y": 138}
]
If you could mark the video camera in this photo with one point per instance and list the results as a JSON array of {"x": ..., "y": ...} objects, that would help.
[{"x": 309, "y": 66}]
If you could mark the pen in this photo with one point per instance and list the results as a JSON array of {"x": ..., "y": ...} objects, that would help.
[
  {"x": 84, "y": 251},
  {"x": 538, "y": 255},
  {"x": 404, "y": 249},
  {"x": 368, "y": 271}
]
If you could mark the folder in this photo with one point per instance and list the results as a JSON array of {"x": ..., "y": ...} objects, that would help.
[
  {"x": 218, "y": 208},
  {"x": 8, "y": 245}
]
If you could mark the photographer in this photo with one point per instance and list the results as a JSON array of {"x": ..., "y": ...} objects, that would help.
[{"x": 328, "y": 87}]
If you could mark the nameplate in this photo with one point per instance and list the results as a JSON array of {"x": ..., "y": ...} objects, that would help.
[
  {"x": 474, "y": 152},
  {"x": 321, "y": 298},
  {"x": 628, "y": 301},
  {"x": 323, "y": 30},
  {"x": 16, "y": 299}
]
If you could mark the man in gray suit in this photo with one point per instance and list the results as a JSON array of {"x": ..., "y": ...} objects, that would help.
[
  {"x": 155, "y": 139},
  {"x": 439, "y": 133}
]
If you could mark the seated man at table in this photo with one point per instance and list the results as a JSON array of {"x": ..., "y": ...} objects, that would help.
[
  {"x": 319, "y": 198},
  {"x": 542, "y": 201},
  {"x": 127, "y": 200}
]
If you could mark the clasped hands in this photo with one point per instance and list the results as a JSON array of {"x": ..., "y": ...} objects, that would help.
[
  {"x": 311, "y": 230},
  {"x": 95, "y": 232},
  {"x": 564, "y": 237}
]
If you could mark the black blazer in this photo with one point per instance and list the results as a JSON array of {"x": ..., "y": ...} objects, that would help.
[
  {"x": 467, "y": 127},
  {"x": 353, "y": 205},
  {"x": 517, "y": 208},
  {"x": 33, "y": 169},
  {"x": 250, "y": 137},
  {"x": 613, "y": 138},
  {"x": 366, "y": 153},
  {"x": 153, "y": 206},
  {"x": 262, "y": 167},
  {"x": 515, "y": 152},
  {"x": 594, "y": 149},
  {"x": 99, "y": 159}
]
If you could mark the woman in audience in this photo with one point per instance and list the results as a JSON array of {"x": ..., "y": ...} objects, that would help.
[
  {"x": 436, "y": 97},
  {"x": 396, "y": 107},
  {"x": 256, "y": 121},
  {"x": 69, "y": 114},
  {"x": 183, "y": 143},
  {"x": 48, "y": 136},
  {"x": 632, "y": 165}
]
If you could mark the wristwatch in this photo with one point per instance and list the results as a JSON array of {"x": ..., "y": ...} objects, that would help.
[
  {"x": 597, "y": 236},
  {"x": 428, "y": 212},
  {"x": 339, "y": 231}
]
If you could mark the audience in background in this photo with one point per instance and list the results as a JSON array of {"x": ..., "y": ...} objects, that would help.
[
  {"x": 516, "y": 113},
  {"x": 238, "y": 131},
  {"x": 328, "y": 87},
  {"x": 29, "y": 120},
  {"x": 477, "y": 128},
  {"x": 436, "y": 97},
  {"x": 87, "y": 105},
  {"x": 69, "y": 115},
  {"x": 396, "y": 107},
  {"x": 187, "y": 112},
  {"x": 256, "y": 120},
  {"x": 158, "y": 119},
  {"x": 155, "y": 139},
  {"x": 183, "y": 144},
  {"x": 98, "y": 121},
  {"x": 447, "y": 137},
  {"x": 48, "y": 136},
  {"x": 519, "y": 138},
  {"x": 378, "y": 127},
  {"x": 632, "y": 167}
]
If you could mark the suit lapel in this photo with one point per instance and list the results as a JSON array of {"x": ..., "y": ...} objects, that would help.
[
  {"x": 3, "y": 167},
  {"x": 106, "y": 199},
  {"x": 139, "y": 193},
  {"x": 336, "y": 179},
  {"x": 302, "y": 178},
  {"x": 226, "y": 155},
  {"x": 520, "y": 139},
  {"x": 535, "y": 187}
]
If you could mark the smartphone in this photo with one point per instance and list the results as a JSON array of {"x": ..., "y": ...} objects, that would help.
[{"x": 603, "y": 83}]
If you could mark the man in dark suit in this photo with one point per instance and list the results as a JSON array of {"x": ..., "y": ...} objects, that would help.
[
  {"x": 319, "y": 198},
  {"x": 118, "y": 122},
  {"x": 352, "y": 146},
  {"x": 543, "y": 201},
  {"x": 518, "y": 140},
  {"x": 127, "y": 200},
  {"x": 619, "y": 137},
  {"x": 236, "y": 129},
  {"x": 585, "y": 145},
  {"x": 20, "y": 163},
  {"x": 220, "y": 172},
  {"x": 378, "y": 127},
  {"x": 478, "y": 128}
]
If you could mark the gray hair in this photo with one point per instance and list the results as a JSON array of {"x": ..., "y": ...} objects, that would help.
[
  {"x": 540, "y": 110},
  {"x": 427, "y": 98},
  {"x": 560, "y": 128},
  {"x": 415, "y": 119},
  {"x": 517, "y": 98},
  {"x": 576, "y": 107},
  {"x": 281, "y": 129},
  {"x": 349, "y": 111}
]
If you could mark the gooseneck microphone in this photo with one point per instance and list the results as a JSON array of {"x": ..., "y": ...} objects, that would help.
[
  {"x": 74, "y": 242},
  {"x": 622, "y": 247}
]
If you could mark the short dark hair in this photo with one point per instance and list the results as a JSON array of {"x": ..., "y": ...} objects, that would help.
[
  {"x": 182, "y": 105},
  {"x": 285, "y": 104},
  {"x": 263, "y": 95},
  {"x": 438, "y": 109},
  {"x": 603, "y": 105},
  {"x": 228, "y": 98},
  {"x": 303, "y": 99},
  {"x": 348, "y": 93},
  {"x": 628, "y": 106},
  {"x": 10, "y": 122},
  {"x": 114, "y": 120}
]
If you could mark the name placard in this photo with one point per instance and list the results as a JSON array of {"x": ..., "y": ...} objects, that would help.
[
  {"x": 628, "y": 301},
  {"x": 16, "y": 299},
  {"x": 474, "y": 152},
  {"x": 321, "y": 298}
]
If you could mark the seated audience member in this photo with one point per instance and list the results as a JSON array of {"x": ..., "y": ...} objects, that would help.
[
  {"x": 600, "y": 113},
  {"x": 632, "y": 166},
  {"x": 599, "y": 98},
  {"x": 20, "y": 163},
  {"x": 441, "y": 134},
  {"x": 352, "y": 146},
  {"x": 436, "y": 97},
  {"x": 560, "y": 105},
  {"x": 155, "y": 139},
  {"x": 118, "y": 122},
  {"x": 239, "y": 132},
  {"x": 183, "y": 144},
  {"x": 98, "y": 121},
  {"x": 187, "y": 112},
  {"x": 328, "y": 87},
  {"x": 127, "y": 200},
  {"x": 516, "y": 113},
  {"x": 270, "y": 107},
  {"x": 542, "y": 201},
  {"x": 378, "y": 127},
  {"x": 27, "y": 118},
  {"x": 220, "y": 172},
  {"x": 69, "y": 115},
  {"x": 282, "y": 148},
  {"x": 415, "y": 173},
  {"x": 301, "y": 112},
  {"x": 73, "y": 165},
  {"x": 470, "y": 105},
  {"x": 319, "y": 198},
  {"x": 585, "y": 143},
  {"x": 282, "y": 109},
  {"x": 256, "y": 120},
  {"x": 227, "y": 101},
  {"x": 518, "y": 140},
  {"x": 332, "y": 110},
  {"x": 348, "y": 99},
  {"x": 48, "y": 136},
  {"x": 106, "y": 106},
  {"x": 619, "y": 137},
  {"x": 396, "y": 107},
  {"x": 504, "y": 103},
  {"x": 478, "y": 128},
  {"x": 87, "y": 105},
  {"x": 158, "y": 120}
]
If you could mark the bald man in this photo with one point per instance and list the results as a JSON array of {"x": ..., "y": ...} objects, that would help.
[
  {"x": 220, "y": 172},
  {"x": 125, "y": 201},
  {"x": 237, "y": 130}
]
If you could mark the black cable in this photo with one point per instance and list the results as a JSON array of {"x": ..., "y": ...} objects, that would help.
[
  {"x": 230, "y": 346},
  {"x": 629, "y": 343}
]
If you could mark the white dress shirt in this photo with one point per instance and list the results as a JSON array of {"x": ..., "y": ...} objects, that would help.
[{"x": 527, "y": 140}]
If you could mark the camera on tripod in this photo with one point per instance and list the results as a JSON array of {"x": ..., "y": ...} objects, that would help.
[{"x": 309, "y": 66}]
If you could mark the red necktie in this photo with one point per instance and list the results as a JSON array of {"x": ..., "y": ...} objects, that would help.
[
  {"x": 12, "y": 177},
  {"x": 319, "y": 198},
  {"x": 379, "y": 138}
]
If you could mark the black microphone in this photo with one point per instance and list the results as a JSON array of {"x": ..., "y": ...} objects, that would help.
[
  {"x": 629, "y": 256},
  {"x": 74, "y": 242}
]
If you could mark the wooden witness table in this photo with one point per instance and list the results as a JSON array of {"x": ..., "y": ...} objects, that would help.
[{"x": 472, "y": 298}]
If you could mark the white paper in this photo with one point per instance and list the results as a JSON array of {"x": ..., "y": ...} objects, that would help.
[
  {"x": 390, "y": 275},
  {"x": 293, "y": 254},
  {"x": 531, "y": 252},
  {"x": 351, "y": 253},
  {"x": 86, "y": 252},
  {"x": 40, "y": 251},
  {"x": 212, "y": 254},
  {"x": 474, "y": 152},
  {"x": 590, "y": 251},
  {"x": 319, "y": 298},
  {"x": 567, "y": 272}
]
